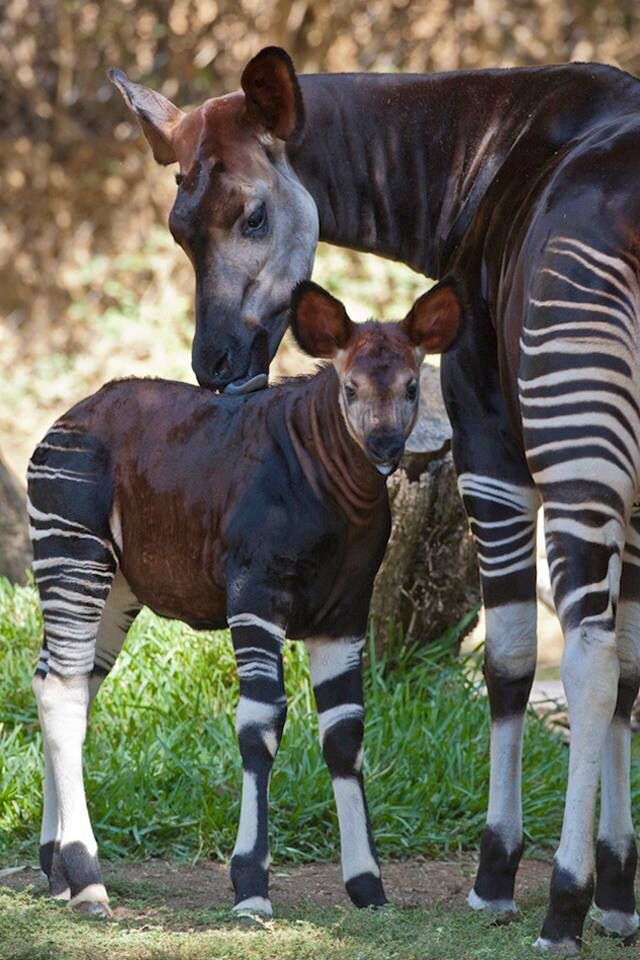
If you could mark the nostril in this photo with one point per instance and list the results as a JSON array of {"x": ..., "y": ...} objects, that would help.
[
  {"x": 218, "y": 365},
  {"x": 385, "y": 448}
]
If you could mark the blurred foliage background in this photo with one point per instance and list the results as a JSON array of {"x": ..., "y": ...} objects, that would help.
[{"x": 91, "y": 285}]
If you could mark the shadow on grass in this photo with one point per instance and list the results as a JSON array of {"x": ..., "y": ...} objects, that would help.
[{"x": 33, "y": 928}]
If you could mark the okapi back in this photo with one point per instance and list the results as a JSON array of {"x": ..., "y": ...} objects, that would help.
[{"x": 208, "y": 492}]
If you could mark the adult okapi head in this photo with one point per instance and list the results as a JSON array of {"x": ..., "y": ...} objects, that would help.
[
  {"x": 241, "y": 215},
  {"x": 377, "y": 363}
]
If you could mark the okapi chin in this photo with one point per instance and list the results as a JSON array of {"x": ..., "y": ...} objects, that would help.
[{"x": 268, "y": 513}]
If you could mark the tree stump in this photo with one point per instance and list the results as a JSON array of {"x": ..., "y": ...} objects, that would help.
[
  {"x": 428, "y": 580},
  {"x": 15, "y": 548}
]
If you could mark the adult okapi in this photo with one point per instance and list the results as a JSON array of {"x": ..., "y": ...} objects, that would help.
[{"x": 523, "y": 183}]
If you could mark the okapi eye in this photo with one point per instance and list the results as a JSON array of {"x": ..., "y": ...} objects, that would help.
[
  {"x": 412, "y": 389},
  {"x": 350, "y": 392},
  {"x": 255, "y": 226},
  {"x": 179, "y": 178}
]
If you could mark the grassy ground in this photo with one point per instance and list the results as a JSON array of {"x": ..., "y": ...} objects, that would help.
[
  {"x": 162, "y": 765},
  {"x": 36, "y": 929},
  {"x": 163, "y": 779}
]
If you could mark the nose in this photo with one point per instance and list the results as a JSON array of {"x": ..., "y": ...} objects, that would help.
[
  {"x": 385, "y": 449},
  {"x": 211, "y": 368}
]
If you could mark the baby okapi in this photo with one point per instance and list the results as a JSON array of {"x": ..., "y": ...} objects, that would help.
[{"x": 268, "y": 513}]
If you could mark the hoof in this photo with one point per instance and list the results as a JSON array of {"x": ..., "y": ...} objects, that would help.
[
  {"x": 615, "y": 923},
  {"x": 501, "y": 911},
  {"x": 93, "y": 910},
  {"x": 92, "y": 901},
  {"x": 558, "y": 948},
  {"x": 254, "y": 907}
]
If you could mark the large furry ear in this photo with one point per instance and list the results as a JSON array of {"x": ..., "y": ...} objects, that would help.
[
  {"x": 319, "y": 322},
  {"x": 274, "y": 101},
  {"x": 157, "y": 116},
  {"x": 433, "y": 322}
]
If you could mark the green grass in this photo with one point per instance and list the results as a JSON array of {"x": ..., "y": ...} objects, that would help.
[
  {"x": 32, "y": 929},
  {"x": 162, "y": 765},
  {"x": 163, "y": 771}
]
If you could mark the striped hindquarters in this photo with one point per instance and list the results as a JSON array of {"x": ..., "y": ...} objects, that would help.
[
  {"x": 69, "y": 496},
  {"x": 578, "y": 389}
]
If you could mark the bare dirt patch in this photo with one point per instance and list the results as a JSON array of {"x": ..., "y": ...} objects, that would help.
[{"x": 411, "y": 883}]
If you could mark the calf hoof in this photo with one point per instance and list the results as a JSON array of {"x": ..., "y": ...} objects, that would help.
[
  {"x": 558, "y": 948},
  {"x": 501, "y": 911},
  {"x": 366, "y": 890},
  {"x": 258, "y": 907},
  {"x": 615, "y": 923}
]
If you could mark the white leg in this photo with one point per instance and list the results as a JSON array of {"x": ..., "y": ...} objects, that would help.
[
  {"x": 590, "y": 673},
  {"x": 63, "y": 705},
  {"x": 50, "y": 859},
  {"x": 616, "y": 856},
  {"x": 510, "y": 659},
  {"x": 337, "y": 682}
]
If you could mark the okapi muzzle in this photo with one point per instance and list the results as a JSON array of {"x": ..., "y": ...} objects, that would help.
[{"x": 241, "y": 214}]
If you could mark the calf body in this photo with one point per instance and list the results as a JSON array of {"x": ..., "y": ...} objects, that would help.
[{"x": 268, "y": 514}]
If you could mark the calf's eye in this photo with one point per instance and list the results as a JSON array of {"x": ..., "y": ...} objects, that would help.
[{"x": 412, "y": 390}]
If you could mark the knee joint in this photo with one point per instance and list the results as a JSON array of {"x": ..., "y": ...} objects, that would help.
[{"x": 342, "y": 747}]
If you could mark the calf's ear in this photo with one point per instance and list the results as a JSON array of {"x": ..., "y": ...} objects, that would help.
[
  {"x": 433, "y": 322},
  {"x": 157, "y": 116},
  {"x": 272, "y": 93},
  {"x": 319, "y": 322}
]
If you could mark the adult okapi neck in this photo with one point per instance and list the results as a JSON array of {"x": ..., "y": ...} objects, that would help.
[
  {"x": 329, "y": 457},
  {"x": 398, "y": 165}
]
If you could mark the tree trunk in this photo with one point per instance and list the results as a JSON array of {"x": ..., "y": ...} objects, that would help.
[
  {"x": 15, "y": 548},
  {"x": 428, "y": 580}
]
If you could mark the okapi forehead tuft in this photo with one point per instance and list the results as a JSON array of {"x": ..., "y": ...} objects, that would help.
[{"x": 380, "y": 350}]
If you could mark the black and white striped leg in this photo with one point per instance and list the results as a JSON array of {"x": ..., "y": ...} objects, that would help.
[
  {"x": 336, "y": 673},
  {"x": 616, "y": 854},
  {"x": 503, "y": 520},
  {"x": 584, "y": 559},
  {"x": 120, "y": 610},
  {"x": 260, "y": 719},
  {"x": 578, "y": 391},
  {"x": 74, "y": 568}
]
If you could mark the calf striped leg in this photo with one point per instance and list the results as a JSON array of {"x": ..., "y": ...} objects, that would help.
[
  {"x": 503, "y": 521},
  {"x": 260, "y": 720},
  {"x": 616, "y": 855},
  {"x": 336, "y": 673},
  {"x": 74, "y": 568}
]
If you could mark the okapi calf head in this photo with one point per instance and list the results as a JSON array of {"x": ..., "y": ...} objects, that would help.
[
  {"x": 241, "y": 215},
  {"x": 377, "y": 363}
]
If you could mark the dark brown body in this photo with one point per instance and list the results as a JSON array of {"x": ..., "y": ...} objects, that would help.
[{"x": 215, "y": 495}]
